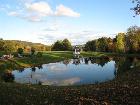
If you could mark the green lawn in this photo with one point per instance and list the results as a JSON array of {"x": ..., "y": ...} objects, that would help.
[
  {"x": 101, "y": 54},
  {"x": 34, "y": 61},
  {"x": 122, "y": 91}
]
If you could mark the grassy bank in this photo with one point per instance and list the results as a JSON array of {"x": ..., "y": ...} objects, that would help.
[
  {"x": 18, "y": 63},
  {"x": 101, "y": 54},
  {"x": 124, "y": 90},
  {"x": 47, "y": 57}
]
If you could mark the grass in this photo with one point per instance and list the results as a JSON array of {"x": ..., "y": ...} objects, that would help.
[
  {"x": 124, "y": 90},
  {"x": 48, "y": 57},
  {"x": 101, "y": 54}
]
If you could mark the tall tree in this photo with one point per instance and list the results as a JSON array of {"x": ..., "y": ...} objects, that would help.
[
  {"x": 102, "y": 44},
  {"x": 57, "y": 46},
  {"x": 120, "y": 43},
  {"x": 66, "y": 45},
  {"x": 133, "y": 39},
  {"x": 91, "y": 45},
  {"x": 32, "y": 50},
  {"x": 110, "y": 45}
]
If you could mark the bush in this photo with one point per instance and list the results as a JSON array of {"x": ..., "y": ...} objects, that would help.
[
  {"x": 15, "y": 54},
  {"x": 26, "y": 55},
  {"x": 39, "y": 54}
]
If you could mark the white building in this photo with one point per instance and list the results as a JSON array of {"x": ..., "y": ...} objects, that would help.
[{"x": 76, "y": 50}]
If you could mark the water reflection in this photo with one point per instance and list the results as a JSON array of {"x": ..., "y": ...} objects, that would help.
[
  {"x": 8, "y": 76},
  {"x": 21, "y": 70},
  {"x": 33, "y": 69},
  {"x": 66, "y": 62},
  {"x": 76, "y": 71},
  {"x": 39, "y": 66},
  {"x": 76, "y": 61}
]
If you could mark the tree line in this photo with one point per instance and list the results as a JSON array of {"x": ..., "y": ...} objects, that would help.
[
  {"x": 9, "y": 46},
  {"x": 128, "y": 42}
]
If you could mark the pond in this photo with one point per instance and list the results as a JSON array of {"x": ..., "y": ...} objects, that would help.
[{"x": 74, "y": 72}]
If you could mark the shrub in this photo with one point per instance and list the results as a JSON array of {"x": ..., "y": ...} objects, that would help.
[{"x": 39, "y": 54}]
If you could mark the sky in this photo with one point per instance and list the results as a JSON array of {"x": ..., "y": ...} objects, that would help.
[{"x": 46, "y": 21}]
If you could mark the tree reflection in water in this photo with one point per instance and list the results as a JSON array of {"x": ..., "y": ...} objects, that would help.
[
  {"x": 33, "y": 69},
  {"x": 40, "y": 67},
  {"x": 76, "y": 61},
  {"x": 105, "y": 66},
  {"x": 100, "y": 61},
  {"x": 8, "y": 76},
  {"x": 21, "y": 70},
  {"x": 125, "y": 63}
]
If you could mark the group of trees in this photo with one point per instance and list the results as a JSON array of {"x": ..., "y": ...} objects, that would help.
[
  {"x": 62, "y": 45},
  {"x": 9, "y": 46},
  {"x": 128, "y": 42},
  {"x": 137, "y": 7}
]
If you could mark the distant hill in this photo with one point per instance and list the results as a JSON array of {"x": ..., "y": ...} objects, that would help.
[{"x": 15, "y": 44}]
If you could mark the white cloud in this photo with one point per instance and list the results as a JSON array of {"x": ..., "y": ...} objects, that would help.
[
  {"x": 62, "y": 82},
  {"x": 37, "y": 10},
  {"x": 33, "y": 18},
  {"x": 49, "y": 37},
  {"x": 61, "y": 10},
  {"x": 13, "y": 13},
  {"x": 76, "y": 38},
  {"x": 41, "y": 8}
]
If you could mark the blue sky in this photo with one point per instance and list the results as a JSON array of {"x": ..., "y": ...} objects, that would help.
[{"x": 46, "y": 21}]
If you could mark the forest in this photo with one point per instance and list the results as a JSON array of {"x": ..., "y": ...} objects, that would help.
[{"x": 128, "y": 42}]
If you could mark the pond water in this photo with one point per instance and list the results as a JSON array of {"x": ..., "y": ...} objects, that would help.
[{"x": 71, "y": 72}]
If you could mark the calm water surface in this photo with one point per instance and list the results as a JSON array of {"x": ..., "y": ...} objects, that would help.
[{"x": 69, "y": 72}]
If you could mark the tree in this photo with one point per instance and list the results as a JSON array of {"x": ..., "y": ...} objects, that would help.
[
  {"x": 91, "y": 45},
  {"x": 66, "y": 45},
  {"x": 133, "y": 39},
  {"x": 9, "y": 47},
  {"x": 120, "y": 43},
  {"x": 102, "y": 44},
  {"x": 137, "y": 7},
  {"x": 110, "y": 45},
  {"x": 32, "y": 50},
  {"x": 1, "y": 45},
  {"x": 58, "y": 46}
]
